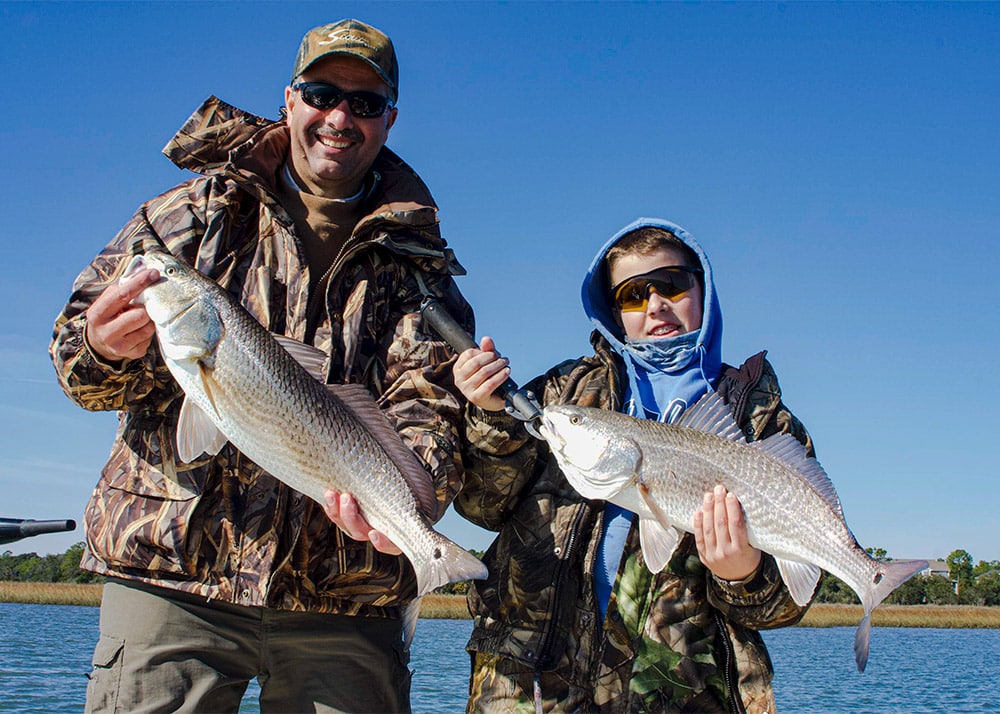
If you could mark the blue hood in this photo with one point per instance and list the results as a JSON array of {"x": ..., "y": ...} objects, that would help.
[{"x": 664, "y": 388}]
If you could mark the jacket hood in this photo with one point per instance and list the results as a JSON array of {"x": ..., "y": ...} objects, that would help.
[{"x": 596, "y": 295}]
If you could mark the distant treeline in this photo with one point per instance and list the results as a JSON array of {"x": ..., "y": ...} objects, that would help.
[{"x": 966, "y": 584}]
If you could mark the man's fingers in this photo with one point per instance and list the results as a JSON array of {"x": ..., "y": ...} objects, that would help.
[
  {"x": 118, "y": 297},
  {"x": 128, "y": 290},
  {"x": 382, "y": 543},
  {"x": 136, "y": 342},
  {"x": 342, "y": 509}
]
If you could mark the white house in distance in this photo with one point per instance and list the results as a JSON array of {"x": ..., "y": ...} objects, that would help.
[
  {"x": 936, "y": 567},
  {"x": 939, "y": 567}
]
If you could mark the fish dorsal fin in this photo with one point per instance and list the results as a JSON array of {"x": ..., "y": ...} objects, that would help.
[
  {"x": 800, "y": 579},
  {"x": 790, "y": 451},
  {"x": 359, "y": 401},
  {"x": 197, "y": 433},
  {"x": 313, "y": 360},
  {"x": 711, "y": 415}
]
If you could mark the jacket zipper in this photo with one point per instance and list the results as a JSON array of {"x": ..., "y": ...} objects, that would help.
[
  {"x": 729, "y": 666},
  {"x": 543, "y": 653}
]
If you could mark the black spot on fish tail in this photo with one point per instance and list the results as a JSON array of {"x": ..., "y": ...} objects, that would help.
[
  {"x": 438, "y": 554},
  {"x": 877, "y": 579}
]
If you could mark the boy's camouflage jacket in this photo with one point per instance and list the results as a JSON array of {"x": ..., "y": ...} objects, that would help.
[
  {"x": 674, "y": 641},
  {"x": 221, "y": 527}
]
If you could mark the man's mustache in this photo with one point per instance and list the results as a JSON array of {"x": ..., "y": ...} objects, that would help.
[{"x": 349, "y": 134}]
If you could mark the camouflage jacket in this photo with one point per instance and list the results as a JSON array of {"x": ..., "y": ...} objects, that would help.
[
  {"x": 222, "y": 527},
  {"x": 678, "y": 640}
]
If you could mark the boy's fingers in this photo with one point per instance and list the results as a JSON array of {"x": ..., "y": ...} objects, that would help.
[{"x": 720, "y": 515}]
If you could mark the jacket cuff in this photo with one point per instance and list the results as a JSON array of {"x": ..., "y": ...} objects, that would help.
[
  {"x": 756, "y": 587},
  {"x": 91, "y": 355},
  {"x": 496, "y": 433}
]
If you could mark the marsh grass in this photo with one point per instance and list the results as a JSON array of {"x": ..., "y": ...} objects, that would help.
[
  {"x": 434, "y": 606},
  {"x": 943, "y": 616},
  {"x": 444, "y": 607},
  {"x": 453, "y": 607},
  {"x": 50, "y": 593}
]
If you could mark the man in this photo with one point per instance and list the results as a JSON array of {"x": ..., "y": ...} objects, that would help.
[{"x": 219, "y": 573}]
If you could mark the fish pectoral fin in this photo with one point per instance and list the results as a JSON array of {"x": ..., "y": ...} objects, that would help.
[
  {"x": 197, "y": 433},
  {"x": 800, "y": 579},
  {"x": 311, "y": 359},
  {"x": 658, "y": 543}
]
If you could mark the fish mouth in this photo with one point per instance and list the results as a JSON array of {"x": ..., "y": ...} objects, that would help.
[
  {"x": 135, "y": 266},
  {"x": 547, "y": 432}
]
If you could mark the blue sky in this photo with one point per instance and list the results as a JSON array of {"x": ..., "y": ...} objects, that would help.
[{"x": 839, "y": 162}]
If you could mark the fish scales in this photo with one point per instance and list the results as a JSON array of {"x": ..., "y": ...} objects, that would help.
[
  {"x": 242, "y": 385},
  {"x": 753, "y": 476},
  {"x": 662, "y": 471},
  {"x": 250, "y": 415}
]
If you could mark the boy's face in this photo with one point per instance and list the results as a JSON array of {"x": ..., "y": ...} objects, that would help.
[{"x": 662, "y": 317}]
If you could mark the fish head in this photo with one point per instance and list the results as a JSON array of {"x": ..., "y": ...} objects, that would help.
[
  {"x": 188, "y": 325},
  {"x": 598, "y": 461}
]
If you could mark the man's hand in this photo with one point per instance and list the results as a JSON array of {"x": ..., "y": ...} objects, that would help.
[
  {"x": 478, "y": 373},
  {"x": 342, "y": 509},
  {"x": 720, "y": 532},
  {"x": 116, "y": 329}
]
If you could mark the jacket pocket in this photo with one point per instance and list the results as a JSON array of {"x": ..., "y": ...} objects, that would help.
[
  {"x": 105, "y": 675},
  {"x": 142, "y": 511}
]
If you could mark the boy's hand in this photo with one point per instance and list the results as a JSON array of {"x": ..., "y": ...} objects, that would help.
[
  {"x": 116, "y": 328},
  {"x": 479, "y": 372},
  {"x": 342, "y": 509},
  {"x": 720, "y": 532}
]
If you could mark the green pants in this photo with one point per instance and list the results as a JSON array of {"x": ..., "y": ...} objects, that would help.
[{"x": 166, "y": 651}]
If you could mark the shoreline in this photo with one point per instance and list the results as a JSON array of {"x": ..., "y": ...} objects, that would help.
[{"x": 453, "y": 607}]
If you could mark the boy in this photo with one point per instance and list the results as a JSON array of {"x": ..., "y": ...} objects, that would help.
[{"x": 570, "y": 618}]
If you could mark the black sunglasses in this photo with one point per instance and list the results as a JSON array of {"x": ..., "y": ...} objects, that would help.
[
  {"x": 670, "y": 282},
  {"x": 321, "y": 95}
]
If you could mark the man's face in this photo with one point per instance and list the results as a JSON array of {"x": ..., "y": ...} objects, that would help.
[
  {"x": 662, "y": 317},
  {"x": 332, "y": 150}
]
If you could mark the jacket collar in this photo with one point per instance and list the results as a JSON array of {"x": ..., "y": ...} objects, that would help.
[{"x": 220, "y": 139}]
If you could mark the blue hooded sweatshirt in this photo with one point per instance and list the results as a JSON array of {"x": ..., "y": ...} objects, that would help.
[{"x": 663, "y": 376}]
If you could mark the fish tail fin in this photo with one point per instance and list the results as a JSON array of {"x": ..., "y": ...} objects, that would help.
[
  {"x": 889, "y": 576},
  {"x": 450, "y": 563},
  {"x": 862, "y": 639}
]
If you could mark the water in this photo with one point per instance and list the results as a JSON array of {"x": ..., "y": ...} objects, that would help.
[{"x": 45, "y": 654}]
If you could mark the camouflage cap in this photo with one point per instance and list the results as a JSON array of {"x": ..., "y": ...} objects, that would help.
[{"x": 353, "y": 38}]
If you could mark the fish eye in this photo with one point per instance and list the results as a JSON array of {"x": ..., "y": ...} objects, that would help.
[
  {"x": 576, "y": 420},
  {"x": 170, "y": 271}
]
